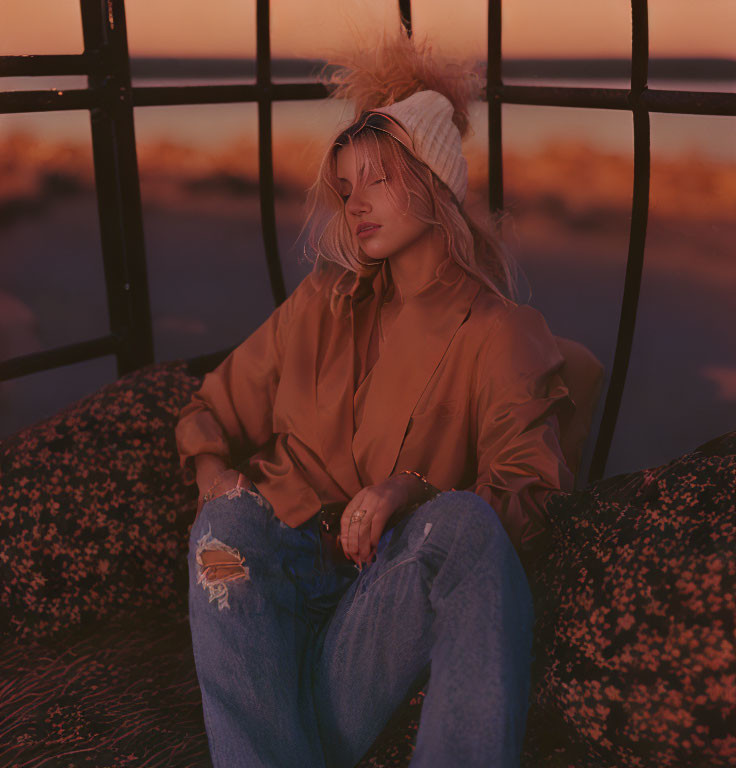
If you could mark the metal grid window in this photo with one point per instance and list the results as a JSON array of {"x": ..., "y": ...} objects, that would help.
[{"x": 111, "y": 99}]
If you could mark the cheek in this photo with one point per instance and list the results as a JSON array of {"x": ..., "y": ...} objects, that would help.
[{"x": 414, "y": 229}]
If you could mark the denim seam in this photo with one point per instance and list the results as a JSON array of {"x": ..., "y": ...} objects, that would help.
[
  {"x": 411, "y": 559},
  {"x": 369, "y": 588}
]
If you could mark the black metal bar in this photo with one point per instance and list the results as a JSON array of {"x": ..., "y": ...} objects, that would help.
[
  {"x": 166, "y": 96},
  {"x": 55, "y": 65},
  {"x": 37, "y": 362},
  {"x": 116, "y": 178},
  {"x": 46, "y": 101},
  {"x": 552, "y": 96},
  {"x": 637, "y": 241},
  {"x": 405, "y": 15},
  {"x": 495, "y": 106},
  {"x": 674, "y": 102},
  {"x": 639, "y": 46},
  {"x": 158, "y": 96},
  {"x": 689, "y": 102},
  {"x": 265, "y": 150}
]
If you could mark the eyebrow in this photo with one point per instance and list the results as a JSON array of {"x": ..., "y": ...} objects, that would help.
[
  {"x": 360, "y": 170},
  {"x": 340, "y": 178}
]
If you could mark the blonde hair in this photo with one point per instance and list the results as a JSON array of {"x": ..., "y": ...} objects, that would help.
[{"x": 391, "y": 72}]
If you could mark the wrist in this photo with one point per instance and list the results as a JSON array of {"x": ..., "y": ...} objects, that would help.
[
  {"x": 417, "y": 486},
  {"x": 224, "y": 479}
]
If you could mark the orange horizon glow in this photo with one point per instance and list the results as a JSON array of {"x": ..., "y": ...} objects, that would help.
[{"x": 531, "y": 28}]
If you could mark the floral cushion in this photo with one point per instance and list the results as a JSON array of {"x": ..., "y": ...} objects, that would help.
[
  {"x": 635, "y": 643},
  {"x": 94, "y": 515}
]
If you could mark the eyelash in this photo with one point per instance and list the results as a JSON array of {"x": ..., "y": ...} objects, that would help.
[{"x": 344, "y": 198}]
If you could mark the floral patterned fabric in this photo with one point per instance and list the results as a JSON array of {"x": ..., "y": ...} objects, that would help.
[
  {"x": 634, "y": 641},
  {"x": 94, "y": 516},
  {"x": 636, "y": 607}
]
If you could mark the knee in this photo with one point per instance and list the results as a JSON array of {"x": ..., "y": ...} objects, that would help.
[
  {"x": 467, "y": 537},
  {"x": 218, "y": 568},
  {"x": 469, "y": 528},
  {"x": 469, "y": 515},
  {"x": 229, "y": 523}
]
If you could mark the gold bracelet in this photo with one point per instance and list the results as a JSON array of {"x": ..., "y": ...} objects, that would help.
[{"x": 208, "y": 495}]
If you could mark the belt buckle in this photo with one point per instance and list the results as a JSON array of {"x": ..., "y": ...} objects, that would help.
[{"x": 330, "y": 515}]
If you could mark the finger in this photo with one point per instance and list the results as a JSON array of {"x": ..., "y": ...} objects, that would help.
[
  {"x": 345, "y": 524},
  {"x": 371, "y": 553},
  {"x": 350, "y": 530},
  {"x": 365, "y": 535},
  {"x": 343, "y": 537},
  {"x": 353, "y": 535},
  {"x": 346, "y": 521},
  {"x": 358, "y": 530},
  {"x": 380, "y": 520},
  {"x": 369, "y": 543}
]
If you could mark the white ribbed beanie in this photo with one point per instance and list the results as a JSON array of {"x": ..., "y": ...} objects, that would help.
[{"x": 426, "y": 116}]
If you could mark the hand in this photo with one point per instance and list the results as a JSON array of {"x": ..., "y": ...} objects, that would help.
[
  {"x": 228, "y": 480},
  {"x": 359, "y": 539}
]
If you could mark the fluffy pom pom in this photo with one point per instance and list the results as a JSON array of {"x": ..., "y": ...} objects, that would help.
[{"x": 396, "y": 68}]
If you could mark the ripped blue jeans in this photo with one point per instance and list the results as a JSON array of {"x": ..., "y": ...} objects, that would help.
[{"x": 302, "y": 663}]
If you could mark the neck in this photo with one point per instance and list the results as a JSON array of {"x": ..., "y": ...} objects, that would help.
[{"x": 415, "y": 266}]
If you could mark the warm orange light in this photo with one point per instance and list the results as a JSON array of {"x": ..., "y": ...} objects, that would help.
[{"x": 530, "y": 27}]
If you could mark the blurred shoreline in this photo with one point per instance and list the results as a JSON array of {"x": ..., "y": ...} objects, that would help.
[
  {"x": 570, "y": 206},
  {"x": 706, "y": 68},
  {"x": 564, "y": 186}
]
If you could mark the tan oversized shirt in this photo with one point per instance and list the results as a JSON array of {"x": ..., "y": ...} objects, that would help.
[{"x": 466, "y": 390}]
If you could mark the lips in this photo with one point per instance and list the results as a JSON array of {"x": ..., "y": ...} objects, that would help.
[{"x": 365, "y": 226}]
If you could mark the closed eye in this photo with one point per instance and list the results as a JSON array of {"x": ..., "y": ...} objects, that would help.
[{"x": 345, "y": 197}]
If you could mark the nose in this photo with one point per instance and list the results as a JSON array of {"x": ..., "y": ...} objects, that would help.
[{"x": 356, "y": 203}]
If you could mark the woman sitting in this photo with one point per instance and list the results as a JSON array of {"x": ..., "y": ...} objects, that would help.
[{"x": 402, "y": 382}]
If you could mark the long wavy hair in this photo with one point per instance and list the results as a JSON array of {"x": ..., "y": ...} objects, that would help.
[{"x": 389, "y": 72}]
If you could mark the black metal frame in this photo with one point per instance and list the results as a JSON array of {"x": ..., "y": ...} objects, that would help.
[{"x": 110, "y": 99}]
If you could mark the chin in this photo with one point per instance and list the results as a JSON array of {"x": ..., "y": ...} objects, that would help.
[{"x": 370, "y": 257}]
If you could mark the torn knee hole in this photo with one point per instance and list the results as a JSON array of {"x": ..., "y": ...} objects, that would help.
[{"x": 218, "y": 563}]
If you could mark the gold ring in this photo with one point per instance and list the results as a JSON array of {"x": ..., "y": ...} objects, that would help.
[{"x": 358, "y": 515}]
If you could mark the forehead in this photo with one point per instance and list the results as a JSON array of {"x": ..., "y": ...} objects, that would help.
[
  {"x": 352, "y": 161},
  {"x": 346, "y": 161}
]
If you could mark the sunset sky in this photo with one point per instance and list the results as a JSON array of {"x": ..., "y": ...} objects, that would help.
[{"x": 227, "y": 27}]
